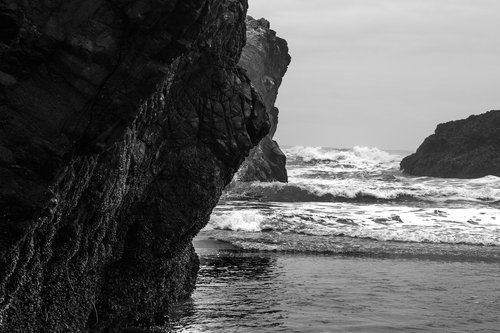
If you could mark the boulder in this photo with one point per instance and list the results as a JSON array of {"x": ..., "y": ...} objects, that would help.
[
  {"x": 120, "y": 124},
  {"x": 265, "y": 58},
  {"x": 467, "y": 148}
]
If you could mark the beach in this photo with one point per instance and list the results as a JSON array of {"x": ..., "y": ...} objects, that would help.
[{"x": 242, "y": 291}]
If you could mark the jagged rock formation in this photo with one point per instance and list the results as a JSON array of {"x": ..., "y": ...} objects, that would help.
[
  {"x": 120, "y": 124},
  {"x": 467, "y": 148},
  {"x": 265, "y": 58}
]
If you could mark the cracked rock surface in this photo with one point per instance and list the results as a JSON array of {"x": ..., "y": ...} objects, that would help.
[
  {"x": 466, "y": 148},
  {"x": 265, "y": 57},
  {"x": 121, "y": 121}
]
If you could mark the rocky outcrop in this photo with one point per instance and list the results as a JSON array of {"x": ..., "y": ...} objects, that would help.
[
  {"x": 467, "y": 148},
  {"x": 265, "y": 58},
  {"x": 120, "y": 124}
]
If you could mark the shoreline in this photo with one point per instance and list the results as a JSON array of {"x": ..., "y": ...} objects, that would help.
[
  {"x": 201, "y": 242},
  {"x": 229, "y": 242},
  {"x": 276, "y": 292}
]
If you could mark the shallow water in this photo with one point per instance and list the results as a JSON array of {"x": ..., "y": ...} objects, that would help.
[
  {"x": 273, "y": 292},
  {"x": 350, "y": 244}
]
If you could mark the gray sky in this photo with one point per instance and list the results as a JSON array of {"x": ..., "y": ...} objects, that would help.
[{"x": 383, "y": 73}]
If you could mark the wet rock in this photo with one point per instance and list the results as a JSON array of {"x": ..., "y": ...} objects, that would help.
[
  {"x": 125, "y": 122},
  {"x": 467, "y": 148},
  {"x": 265, "y": 58},
  {"x": 7, "y": 80},
  {"x": 6, "y": 155},
  {"x": 265, "y": 163}
]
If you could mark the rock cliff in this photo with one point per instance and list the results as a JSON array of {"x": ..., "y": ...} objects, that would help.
[
  {"x": 467, "y": 148},
  {"x": 265, "y": 58},
  {"x": 121, "y": 122}
]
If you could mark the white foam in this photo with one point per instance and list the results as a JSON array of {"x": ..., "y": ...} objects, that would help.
[
  {"x": 241, "y": 220},
  {"x": 408, "y": 209},
  {"x": 355, "y": 157},
  {"x": 444, "y": 225},
  {"x": 352, "y": 188},
  {"x": 480, "y": 226},
  {"x": 375, "y": 155}
]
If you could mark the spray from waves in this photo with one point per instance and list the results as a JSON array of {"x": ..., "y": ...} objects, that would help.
[
  {"x": 358, "y": 194},
  {"x": 362, "y": 175},
  {"x": 246, "y": 220},
  {"x": 356, "y": 156}
]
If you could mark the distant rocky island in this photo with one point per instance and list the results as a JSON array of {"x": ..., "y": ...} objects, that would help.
[
  {"x": 466, "y": 148},
  {"x": 265, "y": 58},
  {"x": 120, "y": 125}
]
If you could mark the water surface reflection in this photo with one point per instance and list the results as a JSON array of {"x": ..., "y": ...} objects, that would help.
[
  {"x": 235, "y": 292},
  {"x": 273, "y": 292}
]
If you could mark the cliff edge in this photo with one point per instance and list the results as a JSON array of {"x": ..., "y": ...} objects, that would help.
[
  {"x": 265, "y": 57},
  {"x": 120, "y": 124},
  {"x": 467, "y": 148}
]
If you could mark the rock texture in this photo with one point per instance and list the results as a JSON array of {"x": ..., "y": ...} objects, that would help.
[
  {"x": 467, "y": 148},
  {"x": 265, "y": 58},
  {"x": 121, "y": 121}
]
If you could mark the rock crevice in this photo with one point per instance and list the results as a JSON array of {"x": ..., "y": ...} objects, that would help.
[
  {"x": 265, "y": 57},
  {"x": 120, "y": 124}
]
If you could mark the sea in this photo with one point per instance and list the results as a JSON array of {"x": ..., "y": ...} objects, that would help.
[{"x": 349, "y": 244}]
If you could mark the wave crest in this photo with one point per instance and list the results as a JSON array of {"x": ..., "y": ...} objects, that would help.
[
  {"x": 360, "y": 191},
  {"x": 249, "y": 220},
  {"x": 376, "y": 222},
  {"x": 356, "y": 156}
]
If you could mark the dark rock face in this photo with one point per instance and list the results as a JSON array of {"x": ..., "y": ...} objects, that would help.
[
  {"x": 120, "y": 124},
  {"x": 467, "y": 148},
  {"x": 265, "y": 58}
]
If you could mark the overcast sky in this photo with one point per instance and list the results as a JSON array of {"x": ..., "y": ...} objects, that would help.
[{"x": 383, "y": 73}]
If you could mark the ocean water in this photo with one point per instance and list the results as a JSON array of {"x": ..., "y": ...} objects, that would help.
[
  {"x": 350, "y": 244},
  {"x": 272, "y": 292}
]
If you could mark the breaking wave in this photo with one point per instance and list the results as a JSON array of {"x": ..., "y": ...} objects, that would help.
[
  {"x": 357, "y": 194},
  {"x": 366, "y": 190},
  {"x": 377, "y": 222},
  {"x": 353, "y": 157},
  {"x": 237, "y": 221}
]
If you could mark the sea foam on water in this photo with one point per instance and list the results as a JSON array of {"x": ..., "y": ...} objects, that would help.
[
  {"x": 351, "y": 244},
  {"x": 360, "y": 193}
]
